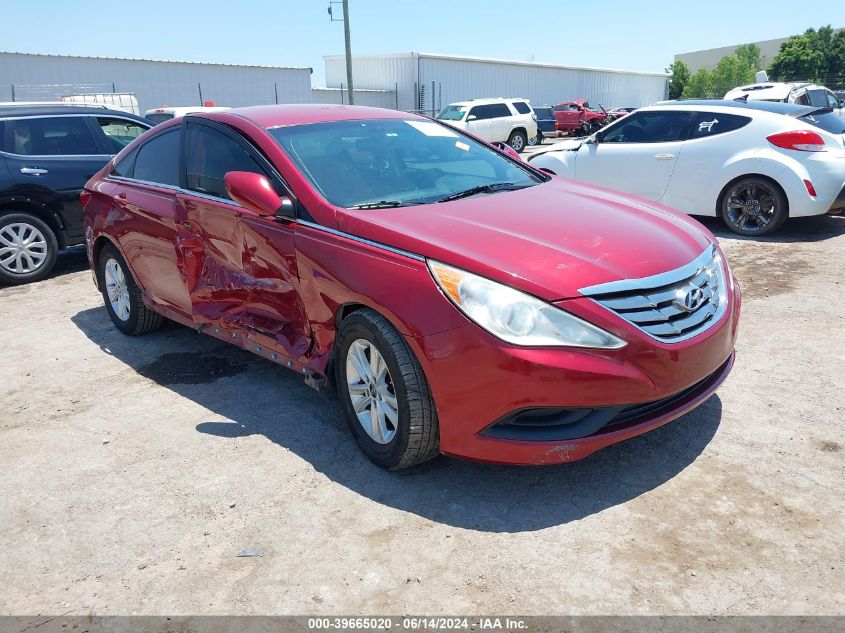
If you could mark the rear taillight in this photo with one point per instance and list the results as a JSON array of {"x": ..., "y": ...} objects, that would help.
[
  {"x": 85, "y": 197},
  {"x": 798, "y": 140}
]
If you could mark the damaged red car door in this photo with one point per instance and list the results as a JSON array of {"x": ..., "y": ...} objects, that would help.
[{"x": 244, "y": 275}]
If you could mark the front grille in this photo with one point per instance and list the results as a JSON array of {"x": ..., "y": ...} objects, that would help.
[{"x": 672, "y": 306}]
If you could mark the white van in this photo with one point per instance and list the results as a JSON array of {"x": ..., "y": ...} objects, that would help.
[{"x": 160, "y": 115}]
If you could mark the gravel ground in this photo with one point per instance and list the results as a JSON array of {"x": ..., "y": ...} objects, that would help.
[{"x": 136, "y": 469}]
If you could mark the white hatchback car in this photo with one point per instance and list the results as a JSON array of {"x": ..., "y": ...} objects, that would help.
[
  {"x": 753, "y": 164},
  {"x": 510, "y": 121}
]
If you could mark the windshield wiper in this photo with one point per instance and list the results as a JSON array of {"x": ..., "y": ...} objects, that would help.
[
  {"x": 496, "y": 186},
  {"x": 383, "y": 204}
]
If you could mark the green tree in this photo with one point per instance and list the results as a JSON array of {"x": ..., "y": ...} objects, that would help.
[
  {"x": 750, "y": 55},
  {"x": 730, "y": 72},
  {"x": 813, "y": 56},
  {"x": 679, "y": 78},
  {"x": 700, "y": 86}
]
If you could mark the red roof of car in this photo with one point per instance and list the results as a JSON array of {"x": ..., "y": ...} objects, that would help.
[{"x": 295, "y": 114}]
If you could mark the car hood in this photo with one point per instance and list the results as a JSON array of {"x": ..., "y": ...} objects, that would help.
[{"x": 549, "y": 240}]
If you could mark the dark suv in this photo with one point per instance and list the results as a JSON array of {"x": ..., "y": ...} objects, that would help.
[{"x": 47, "y": 153}]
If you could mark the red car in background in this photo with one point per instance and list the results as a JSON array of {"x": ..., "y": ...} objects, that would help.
[
  {"x": 459, "y": 300},
  {"x": 577, "y": 117}
]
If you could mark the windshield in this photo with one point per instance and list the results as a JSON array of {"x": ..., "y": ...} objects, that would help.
[
  {"x": 452, "y": 113},
  {"x": 391, "y": 162}
]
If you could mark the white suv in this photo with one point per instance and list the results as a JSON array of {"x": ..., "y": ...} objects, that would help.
[{"x": 510, "y": 121}]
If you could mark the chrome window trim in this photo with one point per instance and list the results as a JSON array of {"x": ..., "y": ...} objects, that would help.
[
  {"x": 174, "y": 188},
  {"x": 313, "y": 225},
  {"x": 710, "y": 255},
  {"x": 138, "y": 181}
]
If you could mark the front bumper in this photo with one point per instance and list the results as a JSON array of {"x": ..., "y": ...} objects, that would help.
[{"x": 477, "y": 381}]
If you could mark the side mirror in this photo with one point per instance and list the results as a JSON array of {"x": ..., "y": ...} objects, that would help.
[
  {"x": 507, "y": 149},
  {"x": 471, "y": 117},
  {"x": 254, "y": 192}
]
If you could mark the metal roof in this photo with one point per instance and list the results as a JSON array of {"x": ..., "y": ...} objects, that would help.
[
  {"x": 492, "y": 60},
  {"x": 158, "y": 61}
]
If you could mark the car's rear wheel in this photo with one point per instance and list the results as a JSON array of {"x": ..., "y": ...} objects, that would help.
[
  {"x": 753, "y": 206},
  {"x": 517, "y": 140},
  {"x": 28, "y": 248},
  {"x": 384, "y": 393},
  {"x": 122, "y": 295},
  {"x": 537, "y": 139}
]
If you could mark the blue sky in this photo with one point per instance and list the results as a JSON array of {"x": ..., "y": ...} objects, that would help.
[{"x": 626, "y": 34}]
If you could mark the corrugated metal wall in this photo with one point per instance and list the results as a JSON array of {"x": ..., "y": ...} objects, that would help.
[
  {"x": 46, "y": 77},
  {"x": 458, "y": 79},
  {"x": 384, "y": 72},
  {"x": 372, "y": 98}
]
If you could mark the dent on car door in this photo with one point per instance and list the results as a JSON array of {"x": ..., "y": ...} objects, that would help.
[
  {"x": 638, "y": 155},
  {"x": 50, "y": 159},
  {"x": 245, "y": 271}
]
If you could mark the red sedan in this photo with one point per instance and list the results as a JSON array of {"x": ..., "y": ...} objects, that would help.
[{"x": 459, "y": 301}]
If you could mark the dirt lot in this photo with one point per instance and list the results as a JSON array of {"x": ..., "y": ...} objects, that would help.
[{"x": 134, "y": 470}]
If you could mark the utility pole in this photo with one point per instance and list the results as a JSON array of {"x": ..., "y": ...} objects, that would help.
[{"x": 348, "y": 45}]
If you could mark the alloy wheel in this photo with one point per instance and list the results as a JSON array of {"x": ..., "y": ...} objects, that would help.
[
  {"x": 23, "y": 248},
  {"x": 371, "y": 391},
  {"x": 751, "y": 207},
  {"x": 516, "y": 143},
  {"x": 117, "y": 289}
]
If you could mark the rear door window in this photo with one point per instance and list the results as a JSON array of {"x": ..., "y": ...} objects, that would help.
[
  {"x": 498, "y": 110},
  {"x": 710, "y": 124},
  {"x": 158, "y": 159},
  {"x": 120, "y": 132},
  {"x": 50, "y": 136},
  {"x": 661, "y": 126},
  {"x": 521, "y": 107},
  {"x": 209, "y": 155}
]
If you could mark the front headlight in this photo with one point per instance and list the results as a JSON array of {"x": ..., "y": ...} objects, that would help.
[{"x": 516, "y": 317}]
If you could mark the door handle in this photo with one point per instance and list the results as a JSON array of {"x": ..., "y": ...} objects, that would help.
[
  {"x": 664, "y": 156},
  {"x": 33, "y": 171}
]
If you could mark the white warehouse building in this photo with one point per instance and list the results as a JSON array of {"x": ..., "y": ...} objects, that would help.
[
  {"x": 32, "y": 77},
  {"x": 426, "y": 82}
]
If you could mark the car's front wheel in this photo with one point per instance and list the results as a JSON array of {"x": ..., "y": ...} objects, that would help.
[
  {"x": 122, "y": 295},
  {"x": 518, "y": 140},
  {"x": 753, "y": 206},
  {"x": 384, "y": 393},
  {"x": 28, "y": 248}
]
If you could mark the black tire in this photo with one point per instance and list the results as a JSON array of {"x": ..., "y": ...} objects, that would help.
[
  {"x": 140, "y": 319},
  {"x": 753, "y": 206},
  {"x": 518, "y": 140},
  {"x": 536, "y": 140},
  {"x": 416, "y": 436},
  {"x": 16, "y": 223}
]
